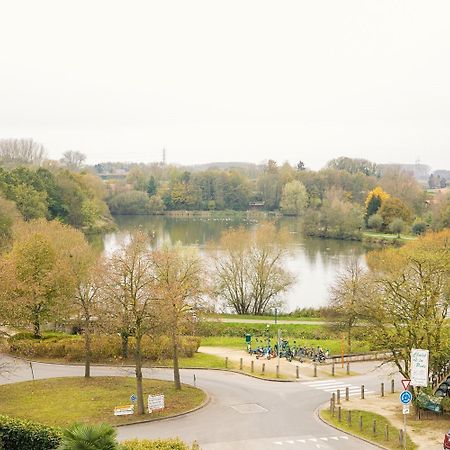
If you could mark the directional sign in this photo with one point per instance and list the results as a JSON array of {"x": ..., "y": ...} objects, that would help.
[
  {"x": 405, "y": 384},
  {"x": 133, "y": 397},
  {"x": 405, "y": 409},
  {"x": 419, "y": 367},
  {"x": 405, "y": 397}
]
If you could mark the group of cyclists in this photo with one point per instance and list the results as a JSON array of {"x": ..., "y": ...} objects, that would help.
[{"x": 316, "y": 354}]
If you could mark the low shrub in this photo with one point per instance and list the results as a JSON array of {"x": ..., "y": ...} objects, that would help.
[
  {"x": 23, "y": 434},
  {"x": 104, "y": 348},
  {"x": 158, "y": 444}
]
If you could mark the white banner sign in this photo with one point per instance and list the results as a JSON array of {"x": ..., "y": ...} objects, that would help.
[
  {"x": 419, "y": 367},
  {"x": 124, "y": 410},
  {"x": 155, "y": 402}
]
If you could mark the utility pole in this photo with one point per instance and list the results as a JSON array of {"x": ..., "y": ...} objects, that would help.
[{"x": 164, "y": 156}]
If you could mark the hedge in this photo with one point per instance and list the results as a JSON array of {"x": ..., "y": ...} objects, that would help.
[
  {"x": 105, "y": 348},
  {"x": 18, "y": 434},
  {"x": 158, "y": 444}
]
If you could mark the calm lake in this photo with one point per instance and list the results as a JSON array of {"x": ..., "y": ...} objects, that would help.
[{"x": 314, "y": 262}]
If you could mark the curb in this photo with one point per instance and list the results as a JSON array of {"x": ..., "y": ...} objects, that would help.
[
  {"x": 159, "y": 419},
  {"x": 317, "y": 414}
]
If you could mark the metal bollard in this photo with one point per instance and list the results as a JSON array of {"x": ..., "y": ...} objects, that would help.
[
  {"x": 315, "y": 369},
  {"x": 374, "y": 426},
  {"x": 338, "y": 396},
  {"x": 392, "y": 386},
  {"x": 226, "y": 362},
  {"x": 348, "y": 368},
  {"x": 332, "y": 368},
  {"x": 349, "y": 418},
  {"x": 360, "y": 423},
  {"x": 400, "y": 437},
  {"x": 297, "y": 374},
  {"x": 278, "y": 371},
  {"x": 347, "y": 394},
  {"x": 386, "y": 432},
  {"x": 339, "y": 414},
  {"x": 382, "y": 389},
  {"x": 331, "y": 406},
  {"x": 362, "y": 392},
  {"x": 263, "y": 368},
  {"x": 252, "y": 366},
  {"x": 241, "y": 364}
]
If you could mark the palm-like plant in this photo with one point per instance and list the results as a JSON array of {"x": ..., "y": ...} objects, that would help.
[{"x": 89, "y": 437}]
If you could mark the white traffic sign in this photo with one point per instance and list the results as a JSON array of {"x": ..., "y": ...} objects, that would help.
[
  {"x": 405, "y": 409},
  {"x": 405, "y": 384},
  {"x": 405, "y": 397},
  {"x": 419, "y": 367}
]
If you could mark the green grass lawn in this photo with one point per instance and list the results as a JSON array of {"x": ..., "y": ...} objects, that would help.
[
  {"x": 367, "y": 430},
  {"x": 198, "y": 360},
  {"x": 62, "y": 401},
  {"x": 403, "y": 237},
  {"x": 269, "y": 318}
]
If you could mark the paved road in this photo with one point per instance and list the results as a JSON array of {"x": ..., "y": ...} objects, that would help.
[{"x": 243, "y": 412}]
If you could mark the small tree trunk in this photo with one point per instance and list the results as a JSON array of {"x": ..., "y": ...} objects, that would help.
[
  {"x": 87, "y": 351},
  {"x": 37, "y": 327},
  {"x": 124, "y": 337},
  {"x": 176, "y": 369},
  {"x": 349, "y": 339},
  {"x": 138, "y": 363}
]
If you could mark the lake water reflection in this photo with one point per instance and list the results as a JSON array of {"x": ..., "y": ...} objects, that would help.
[{"x": 314, "y": 262}]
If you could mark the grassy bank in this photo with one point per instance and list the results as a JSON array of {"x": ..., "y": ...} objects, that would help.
[
  {"x": 367, "y": 432},
  {"x": 62, "y": 401},
  {"x": 268, "y": 318}
]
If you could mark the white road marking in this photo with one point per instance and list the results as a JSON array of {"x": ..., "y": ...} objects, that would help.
[
  {"x": 333, "y": 386},
  {"x": 312, "y": 439}
]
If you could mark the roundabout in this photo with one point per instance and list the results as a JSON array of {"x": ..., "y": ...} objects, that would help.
[{"x": 243, "y": 412}]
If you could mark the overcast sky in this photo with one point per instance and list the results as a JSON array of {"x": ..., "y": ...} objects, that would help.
[{"x": 230, "y": 80}]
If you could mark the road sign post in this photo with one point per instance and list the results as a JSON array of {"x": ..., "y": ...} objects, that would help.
[{"x": 405, "y": 399}]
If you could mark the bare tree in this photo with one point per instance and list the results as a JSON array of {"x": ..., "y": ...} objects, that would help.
[
  {"x": 73, "y": 160},
  {"x": 180, "y": 278},
  {"x": 131, "y": 269},
  {"x": 21, "y": 151},
  {"x": 248, "y": 269},
  {"x": 347, "y": 296}
]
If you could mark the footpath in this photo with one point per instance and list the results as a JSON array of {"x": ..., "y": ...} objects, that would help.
[{"x": 428, "y": 434}]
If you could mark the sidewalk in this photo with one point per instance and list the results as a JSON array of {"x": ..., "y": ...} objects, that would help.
[{"x": 288, "y": 369}]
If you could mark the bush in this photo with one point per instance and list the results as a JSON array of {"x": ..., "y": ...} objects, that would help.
[
  {"x": 375, "y": 221},
  {"x": 89, "y": 437},
  {"x": 104, "y": 347},
  {"x": 159, "y": 444},
  {"x": 21, "y": 434},
  {"x": 419, "y": 226}
]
